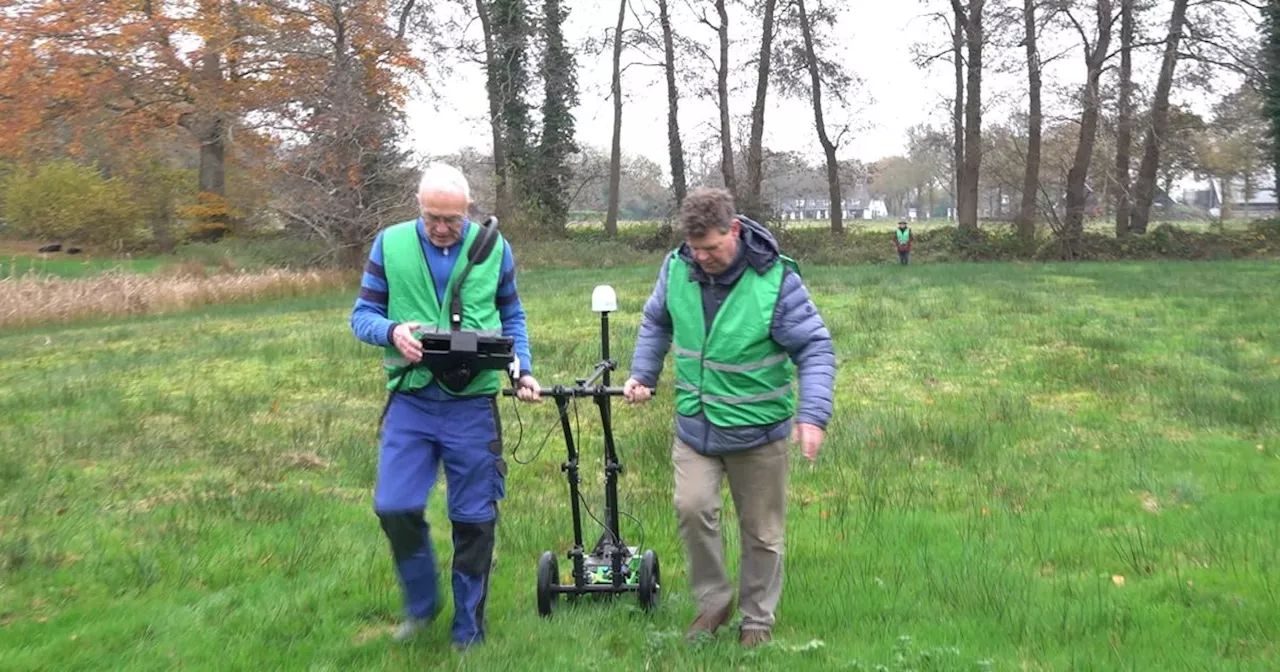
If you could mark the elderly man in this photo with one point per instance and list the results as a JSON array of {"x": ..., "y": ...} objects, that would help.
[
  {"x": 739, "y": 315},
  {"x": 411, "y": 267}
]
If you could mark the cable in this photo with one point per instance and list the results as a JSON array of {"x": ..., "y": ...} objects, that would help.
[
  {"x": 640, "y": 525},
  {"x": 520, "y": 438}
]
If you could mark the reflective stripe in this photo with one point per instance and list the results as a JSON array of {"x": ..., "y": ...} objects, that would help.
[
  {"x": 780, "y": 392},
  {"x": 732, "y": 368},
  {"x": 750, "y": 366},
  {"x": 715, "y": 398}
]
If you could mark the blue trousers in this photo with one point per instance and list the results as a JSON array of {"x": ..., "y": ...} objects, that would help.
[{"x": 465, "y": 435}]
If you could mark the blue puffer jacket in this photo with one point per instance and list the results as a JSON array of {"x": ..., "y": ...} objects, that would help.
[{"x": 796, "y": 326}]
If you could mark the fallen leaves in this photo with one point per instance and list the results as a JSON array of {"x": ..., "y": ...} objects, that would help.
[{"x": 1117, "y": 579}]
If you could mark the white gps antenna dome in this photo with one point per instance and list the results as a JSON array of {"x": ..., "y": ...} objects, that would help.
[{"x": 603, "y": 299}]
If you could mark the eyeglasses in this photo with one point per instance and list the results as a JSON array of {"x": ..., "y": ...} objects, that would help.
[{"x": 452, "y": 221}]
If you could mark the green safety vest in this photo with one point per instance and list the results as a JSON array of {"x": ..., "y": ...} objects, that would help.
[
  {"x": 904, "y": 235},
  {"x": 411, "y": 297},
  {"x": 735, "y": 372}
]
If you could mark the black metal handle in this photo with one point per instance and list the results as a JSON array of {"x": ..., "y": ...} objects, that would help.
[{"x": 575, "y": 391}]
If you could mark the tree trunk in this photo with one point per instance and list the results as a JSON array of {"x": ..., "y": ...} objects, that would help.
[
  {"x": 1026, "y": 223},
  {"x": 752, "y": 205},
  {"x": 510, "y": 29},
  {"x": 968, "y": 217},
  {"x": 1124, "y": 121},
  {"x": 1077, "y": 176},
  {"x": 615, "y": 156},
  {"x": 722, "y": 88},
  {"x": 1271, "y": 83},
  {"x": 836, "y": 211},
  {"x": 957, "y": 115},
  {"x": 1144, "y": 189},
  {"x": 674, "y": 147},
  {"x": 210, "y": 133},
  {"x": 557, "y": 142},
  {"x": 502, "y": 200}
]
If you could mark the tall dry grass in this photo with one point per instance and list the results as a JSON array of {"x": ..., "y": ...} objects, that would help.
[{"x": 34, "y": 299}]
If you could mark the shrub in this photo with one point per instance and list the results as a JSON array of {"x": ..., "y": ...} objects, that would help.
[{"x": 65, "y": 201}]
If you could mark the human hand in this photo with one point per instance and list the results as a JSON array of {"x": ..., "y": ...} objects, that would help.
[
  {"x": 810, "y": 439},
  {"x": 528, "y": 390},
  {"x": 636, "y": 393},
  {"x": 406, "y": 342}
]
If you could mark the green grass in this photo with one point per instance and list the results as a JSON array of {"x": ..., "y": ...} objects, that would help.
[
  {"x": 194, "y": 490},
  {"x": 71, "y": 267}
]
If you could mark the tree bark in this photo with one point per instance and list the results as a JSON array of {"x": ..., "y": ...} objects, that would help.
[
  {"x": 722, "y": 88},
  {"x": 210, "y": 133},
  {"x": 752, "y": 205},
  {"x": 1124, "y": 121},
  {"x": 557, "y": 142},
  {"x": 1026, "y": 223},
  {"x": 836, "y": 211},
  {"x": 674, "y": 147},
  {"x": 1144, "y": 189},
  {"x": 968, "y": 217},
  {"x": 615, "y": 156},
  {"x": 502, "y": 199},
  {"x": 957, "y": 117},
  {"x": 1077, "y": 176}
]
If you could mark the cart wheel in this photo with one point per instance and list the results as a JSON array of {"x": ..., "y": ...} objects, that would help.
[
  {"x": 548, "y": 576},
  {"x": 650, "y": 581}
]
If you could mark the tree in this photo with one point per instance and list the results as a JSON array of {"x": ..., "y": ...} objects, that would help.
[
  {"x": 930, "y": 150},
  {"x": 1233, "y": 146},
  {"x": 556, "y": 144},
  {"x": 674, "y": 147},
  {"x": 1270, "y": 83},
  {"x": 1124, "y": 120},
  {"x": 752, "y": 205},
  {"x": 968, "y": 24},
  {"x": 495, "y": 85},
  {"x": 615, "y": 165},
  {"x": 113, "y": 69},
  {"x": 801, "y": 70},
  {"x": 1095, "y": 52},
  {"x": 346, "y": 179},
  {"x": 1026, "y": 219},
  {"x": 506, "y": 48},
  {"x": 1145, "y": 187},
  {"x": 893, "y": 178},
  {"x": 722, "y": 96}
]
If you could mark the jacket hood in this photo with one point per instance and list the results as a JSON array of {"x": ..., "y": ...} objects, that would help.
[{"x": 757, "y": 248}]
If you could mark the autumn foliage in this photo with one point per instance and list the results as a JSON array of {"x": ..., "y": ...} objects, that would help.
[{"x": 214, "y": 86}]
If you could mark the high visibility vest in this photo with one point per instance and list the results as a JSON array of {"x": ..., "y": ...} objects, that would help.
[
  {"x": 734, "y": 372},
  {"x": 411, "y": 297}
]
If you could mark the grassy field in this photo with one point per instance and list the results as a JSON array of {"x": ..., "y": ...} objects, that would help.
[{"x": 1031, "y": 467}]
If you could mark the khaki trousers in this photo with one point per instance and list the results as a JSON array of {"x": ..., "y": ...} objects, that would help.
[{"x": 758, "y": 483}]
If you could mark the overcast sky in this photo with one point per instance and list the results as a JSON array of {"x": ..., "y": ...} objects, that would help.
[{"x": 875, "y": 41}]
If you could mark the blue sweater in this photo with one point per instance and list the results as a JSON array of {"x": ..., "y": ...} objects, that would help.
[{"x": 369, "y": 320}]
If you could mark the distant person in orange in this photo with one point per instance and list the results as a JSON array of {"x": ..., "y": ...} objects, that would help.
[{"x": 903, "y": 238}]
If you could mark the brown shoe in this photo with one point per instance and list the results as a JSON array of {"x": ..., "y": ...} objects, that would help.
[
  {"x": 709, "y": 622},
  {"x": 751, "y": 638}
]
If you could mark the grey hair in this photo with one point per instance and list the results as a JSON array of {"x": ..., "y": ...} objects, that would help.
[{"x": 444, "y": 178}]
